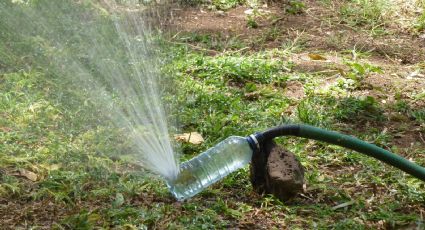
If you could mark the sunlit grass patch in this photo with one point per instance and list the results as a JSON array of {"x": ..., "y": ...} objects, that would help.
[
  {"x": 265, "y": 67},
  {"x": 378, "y": 16},
  {"x": 368, "y": 13}
]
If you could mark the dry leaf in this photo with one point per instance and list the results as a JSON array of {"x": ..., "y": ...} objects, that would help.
[
  {"x": 343, "y": 205},
  {"x": 249, "y": 11},
  {"x": 50, "y": 167},
  {"x": 193, "y": 138},
  {"x": 415, "y": 74},
  {"x": 28, "y": 174},
  {"x": 316, "y": 57}
]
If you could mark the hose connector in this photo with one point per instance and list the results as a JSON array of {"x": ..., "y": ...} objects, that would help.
[{"x": 255, "y": 141}]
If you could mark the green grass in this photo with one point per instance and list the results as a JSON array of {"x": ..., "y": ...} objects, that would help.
[
  {"x": 226, "y": 4},
  {"x": 52, "y": 130},
  {"x": 210, "y": 97},
  {"x": 295, "y": 7},
  {"x": 366, "y": 13},
  {"x": 420, "y": 23},
  {"x": 214, "y": 4}
]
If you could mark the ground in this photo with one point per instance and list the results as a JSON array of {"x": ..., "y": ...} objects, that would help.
[{"x": 356, "y": 67}]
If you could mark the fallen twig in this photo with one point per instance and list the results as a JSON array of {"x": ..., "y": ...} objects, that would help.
[{"x": 194, "y": 47}]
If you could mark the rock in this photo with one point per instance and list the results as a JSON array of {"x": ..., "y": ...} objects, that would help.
[
  {"x": 192, "y": 137},
  {"x": 277, "y": 171},
  {"x": 220, "y": 13},
  {"x": 285, "y": 174},
  {"x": 28, "y": 174},
  {"x": 249, "y": 11}
]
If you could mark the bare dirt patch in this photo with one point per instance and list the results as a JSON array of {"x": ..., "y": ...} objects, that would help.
[
  {"x": 23, "y": 214},
  {"x": 295, "y": 90},
  {"x": 317, "y": 29}
]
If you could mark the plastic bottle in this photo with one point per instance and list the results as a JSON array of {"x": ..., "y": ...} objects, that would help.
[{"x": 210, "y": 166}]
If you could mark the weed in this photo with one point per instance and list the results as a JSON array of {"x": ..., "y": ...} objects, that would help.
[
  {"x": 251, "y": 22},
  {"x": 366, "y": 13},
  {"x": 257, "y": 68},
  {"x": 402, "y": 106},
  {"x": 358, "y": 109},
  {"x": 358, "y": 71},
  {"x": 81, "y": 220},
  {"x": 311, "y": 112},
  {"x": 9, "y": 186},
  {"x": 191, "y": 2},
  {"x": 217, "y": 42},
  {"x": 226, "y": 4},
  {"x": 419, "y": 25},
  {"x": 272, "y": 34},
  {"x": 295, "y": 7},
  {"x": 419, "y": 115},
  {"x": 296, "y": 44}
]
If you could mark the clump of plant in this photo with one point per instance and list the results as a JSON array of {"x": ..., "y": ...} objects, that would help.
[
  {"x": 420, "y": 23},
  {"x": 251, "y": 22},
  {"x": 259, "y": 68},
  {"x": 312, "y": 111},
  {"x": 253, "y": 16},
  {"x": 295, "y": 7},
  {"x": 366, "y": 13},
  {"x": 226, "y": 4},
  {"x": 191, "y": 2},
  {"x": 358, "y": 71},
  {"x": 357, "y": 109}
]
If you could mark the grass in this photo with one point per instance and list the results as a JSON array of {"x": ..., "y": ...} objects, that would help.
[
  {"x": 225, "y": 4},
  {"x": 420, "y": 23},
  {"x": 214, "y": 4},
  {"x": 364, "y": 12},
  {"x": 379, "y": 17},
  {"x": 53, "y": 131}
]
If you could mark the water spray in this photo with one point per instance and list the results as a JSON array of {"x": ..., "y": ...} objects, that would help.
[{"x": 235, "y": 152}]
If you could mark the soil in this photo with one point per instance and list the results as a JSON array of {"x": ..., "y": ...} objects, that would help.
[{"x": 317, "y": 29}]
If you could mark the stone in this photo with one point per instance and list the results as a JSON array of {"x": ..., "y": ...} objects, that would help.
[
  {"x": 285, "y": 174},
  {"x": 277, "y": 171},
  {"x": 220, "y": 13}
]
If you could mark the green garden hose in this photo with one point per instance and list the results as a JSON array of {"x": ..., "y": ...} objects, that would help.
[{"x": 353, "y": 143}]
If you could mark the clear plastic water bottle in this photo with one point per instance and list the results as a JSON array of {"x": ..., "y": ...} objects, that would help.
[{"x": 210, "y": 166}]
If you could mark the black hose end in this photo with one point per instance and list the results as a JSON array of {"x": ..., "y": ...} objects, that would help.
[
  {"x": 279, "y": 131},
  {"x": 254, "y": 142},
  {"x": 257, "y": 140}
]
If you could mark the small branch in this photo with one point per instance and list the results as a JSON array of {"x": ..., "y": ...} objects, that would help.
[
  {"x": 272, "y": 23},
  {"x": 194, "y": 47},
  {"x": 420, "y": 135}
]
